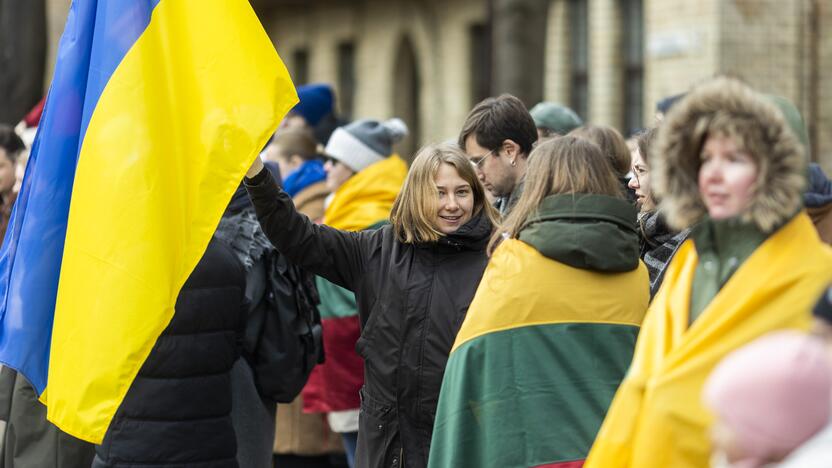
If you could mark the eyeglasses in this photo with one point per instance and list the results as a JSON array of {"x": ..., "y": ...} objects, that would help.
[
  {"x": 635, "y": 172},
  {"x": 477, "y": 161}
]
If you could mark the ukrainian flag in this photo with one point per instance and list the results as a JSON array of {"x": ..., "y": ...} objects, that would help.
[{"x": 156, "y": 110}]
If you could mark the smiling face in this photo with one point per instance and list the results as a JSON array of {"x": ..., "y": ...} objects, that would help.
[
  {"x": 726, "y": 177},
  {"x": 456, "y": 199}
]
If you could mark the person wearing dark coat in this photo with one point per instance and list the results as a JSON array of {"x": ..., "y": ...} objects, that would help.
[
  {"x": 252, "y": 413},
  {"x": 659, "y": 242},
  {"x": 177, "y": 412},
  {"x": 818, "y": 201},
  {"x": 413, "y": 281},
  {"x": 29, "y": 439}
]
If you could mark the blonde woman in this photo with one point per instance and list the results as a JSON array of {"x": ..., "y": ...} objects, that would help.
[
  {"x": 552, "y": 328},
  {"x": 413, "y": 281},
  {"x": 727, "y": 163}
]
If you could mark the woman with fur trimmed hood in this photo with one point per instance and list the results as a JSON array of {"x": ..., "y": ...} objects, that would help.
[{"x": 727, "y": 162}]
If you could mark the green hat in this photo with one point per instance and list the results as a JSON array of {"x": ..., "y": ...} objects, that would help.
[
  {"x": 794, "y": 119},
  {"x": 555, "y": 117}
]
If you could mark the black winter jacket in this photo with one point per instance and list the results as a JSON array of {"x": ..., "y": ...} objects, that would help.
[
  {"x": 411, "y": 302},
  {"x": 177, "y": 411}
]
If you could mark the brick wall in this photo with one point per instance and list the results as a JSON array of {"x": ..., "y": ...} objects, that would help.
[
  {"x": 823, "y": 124},
  {"x": 681, "y": 41}
]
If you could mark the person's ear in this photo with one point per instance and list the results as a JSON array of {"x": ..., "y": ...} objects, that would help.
[{"x": 511, "y": 148}]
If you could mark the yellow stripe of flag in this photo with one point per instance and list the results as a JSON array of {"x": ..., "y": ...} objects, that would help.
[{"x": 521, "y": 288}]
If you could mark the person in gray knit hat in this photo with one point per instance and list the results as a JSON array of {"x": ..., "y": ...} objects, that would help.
[
  {"x": 356, "y": 146},
  {"x": 554, "y": 119}
]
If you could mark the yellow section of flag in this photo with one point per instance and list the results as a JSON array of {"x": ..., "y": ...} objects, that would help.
[
  {"x": 657, "y": 418},
  {"x": 178, "y": 124}
]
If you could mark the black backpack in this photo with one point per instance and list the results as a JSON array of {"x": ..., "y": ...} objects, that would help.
[{"x": 283, "y": 336}]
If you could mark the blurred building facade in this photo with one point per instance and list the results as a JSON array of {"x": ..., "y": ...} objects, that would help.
[{"x": 430, "y": 61}]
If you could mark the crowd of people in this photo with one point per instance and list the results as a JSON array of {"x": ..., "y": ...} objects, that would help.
[{"x": 537, "y": 292}]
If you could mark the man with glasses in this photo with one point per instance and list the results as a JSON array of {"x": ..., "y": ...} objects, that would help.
[{"x": 498, "y": 136}]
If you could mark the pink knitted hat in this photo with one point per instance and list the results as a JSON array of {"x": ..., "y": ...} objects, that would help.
[{"x": 774, "y": 393}]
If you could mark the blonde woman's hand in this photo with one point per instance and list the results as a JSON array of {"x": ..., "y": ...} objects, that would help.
[{"x": 255, "y": 168}]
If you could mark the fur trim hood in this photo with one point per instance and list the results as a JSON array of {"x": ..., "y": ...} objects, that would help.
[{"x": 674, "y": 160}]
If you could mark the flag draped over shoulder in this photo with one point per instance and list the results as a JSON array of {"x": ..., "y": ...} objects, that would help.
[
  {"x": 156, "y": 110},
  {"x": 536, "y": 362},
  {"x": 657, "y": 418}
]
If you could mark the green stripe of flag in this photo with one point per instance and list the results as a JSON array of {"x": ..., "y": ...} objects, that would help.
[{"x": 529, "y": 396}]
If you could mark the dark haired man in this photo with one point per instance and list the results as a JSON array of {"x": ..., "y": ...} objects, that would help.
[{"x": 498, "y": 136}]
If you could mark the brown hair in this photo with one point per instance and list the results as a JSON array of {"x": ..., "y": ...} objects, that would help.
[
  {"x": 415, "y": 210},
  {"x": 294, "y": 142},
  {"x": 644, "y": 141},
  {"x": 611, "y": 143},
  {"x": 562, "y": 165},
  {"x": 497, "y": 119}
]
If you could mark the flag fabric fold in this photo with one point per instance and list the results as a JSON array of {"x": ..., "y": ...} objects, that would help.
[
  {"x": 657, "y": 418},
  {"x": 156, "y": 109}
]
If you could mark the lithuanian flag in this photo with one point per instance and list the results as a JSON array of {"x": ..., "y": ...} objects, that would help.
[{"x": 536, "y": 363}]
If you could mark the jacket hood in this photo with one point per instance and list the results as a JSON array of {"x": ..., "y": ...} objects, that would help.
[
  {"x": 674, "y": 160},
  {"x": 591, "y": 232}
]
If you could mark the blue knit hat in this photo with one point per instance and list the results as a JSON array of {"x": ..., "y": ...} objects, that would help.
[{"x": 315, "y": 102}]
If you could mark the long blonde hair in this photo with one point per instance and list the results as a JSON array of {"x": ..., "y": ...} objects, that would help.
[
  {"x": 566, "y": 164},
  {"x": 416, "y": 207}
]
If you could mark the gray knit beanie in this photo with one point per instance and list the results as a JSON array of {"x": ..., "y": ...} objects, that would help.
[{"x": 365, "y": 142}]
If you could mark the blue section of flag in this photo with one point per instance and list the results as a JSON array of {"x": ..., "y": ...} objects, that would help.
[{"x": 97, "y": 36}]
